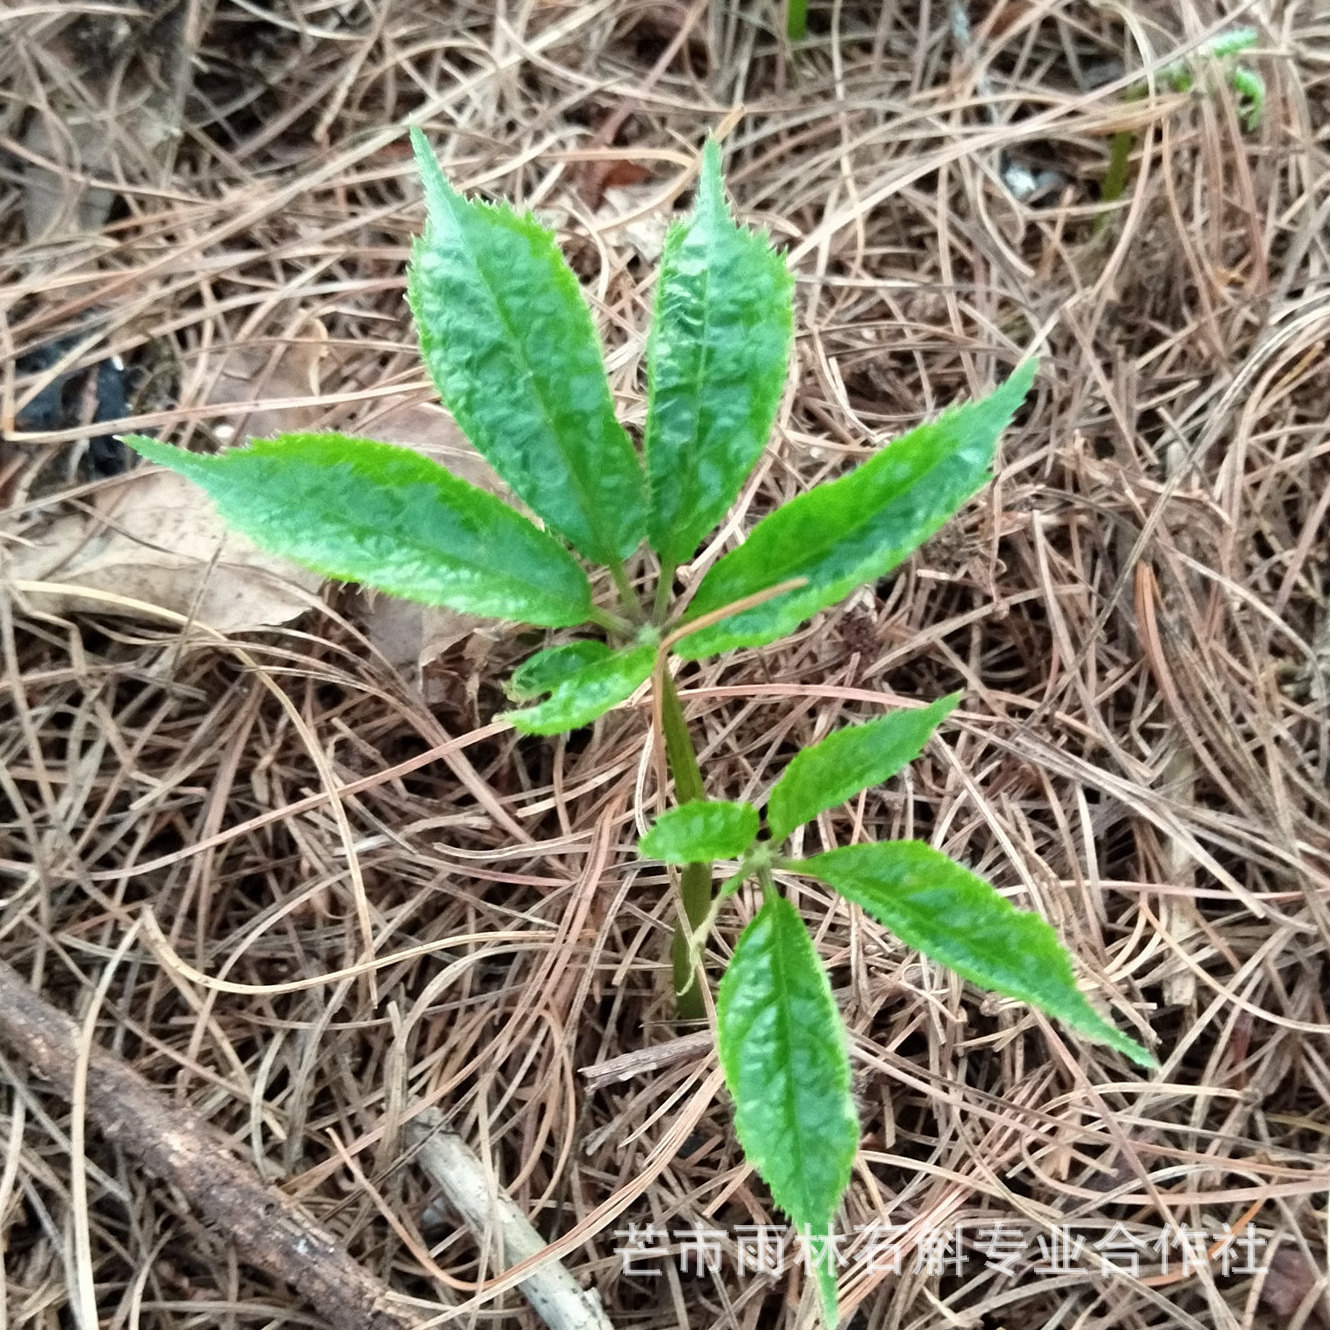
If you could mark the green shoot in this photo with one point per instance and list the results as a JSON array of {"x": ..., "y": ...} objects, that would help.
[
  {"x": 1180, "y": 76},
  {"x": 510, "y": 343}
]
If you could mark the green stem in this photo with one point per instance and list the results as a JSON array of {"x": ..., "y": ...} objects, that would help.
[
  {"x": 679, "y": 744},
  {"x": 1115, "y": 178},
  {"x": 695, "y": 880},
  {"x": 695, "y": 890},
  {"x": 610, "y": 622},
  {"x": 664, "y": 588},
  {"x": 700, "y": 935},
  {"x": 631, "y": 608}
]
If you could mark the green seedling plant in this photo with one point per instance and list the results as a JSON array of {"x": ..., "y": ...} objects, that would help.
[
  {"x": 510, "y": 344},
  {"x": 1180, "y": 76}
]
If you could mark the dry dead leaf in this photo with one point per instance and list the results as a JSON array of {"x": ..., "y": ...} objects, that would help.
[
  {"x": 58, "y": 205},
  {"x": 153, "y": 537},
  {"x": 286, "y": 371},
  {"x": 597, "y": 177},
  {"x": 114, "y": 112},
  {"x": 634, "y": 214},
  {"x": 156, "y": 538}
]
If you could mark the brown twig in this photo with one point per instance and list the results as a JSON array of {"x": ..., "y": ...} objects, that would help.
[{"x": 267, "y": 1228}]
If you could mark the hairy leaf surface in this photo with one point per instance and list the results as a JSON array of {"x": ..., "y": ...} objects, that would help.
[
  {"x": 370, "y": 512},
  {"x": 853, "y": 530},
  {"x": 783, "y": 1050},
  {"x": 716, "y": 362},
  {"x": 851, "y": 760},
  {"x": 934, "y": 905},
  {"x": 539, "y": 674},
  {"x": 701, "y": 831},
  {"x": 578, "y": 698},
  {"x": 509, "y": 343}
]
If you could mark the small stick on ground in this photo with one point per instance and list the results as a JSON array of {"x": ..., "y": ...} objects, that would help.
[
  {"x": 555, "y": 1296},
  {"x": 639, "y": 1061},
  {"x": 267, "y": 1228}
]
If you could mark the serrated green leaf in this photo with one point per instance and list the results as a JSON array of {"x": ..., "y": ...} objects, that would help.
[
  {"x": 848, "y": 761},
  {"x": 783, "y": 1051},
  {"x": 941, "y": 909},
  {"x": 716, "y": 362},
  {"x": 853, "y": 530},
  {"x": 369, "y": 512},
  {"x": 578, "y": 698},
  {"x": 510, "y": 345},
  {"x": 701, "y": 831},
  {"x": 539, "y": 674}
]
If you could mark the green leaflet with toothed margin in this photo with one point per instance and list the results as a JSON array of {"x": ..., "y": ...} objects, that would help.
[
  {"x": 849, "y": 760},
  {"x": 370, "y": 512},
  {"x": 783, "y": 1051},
  {"x": 717, "y": 356},
  {"x": 509, "y": 343},
  {"x": 579, "y": 698},
  {"x": 941, "y": 909},
  {"x": 701, "y": 831},
  {"x": 541, "y": 673},
  {"x": 853, "y": 530}
]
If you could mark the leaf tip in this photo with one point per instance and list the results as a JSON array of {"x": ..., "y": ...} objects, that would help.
[
  {"x": 514, "y": 718},
  {"x": 826, "y": 1292},
  {"x": 426, "y": 162},
  {"x": 1138, "y": 1053},
  {"x": 1021, "y": 378},
  {"x": 1091, "y": 1024},
  {"x": 437, "y": 189},
  {"x": 710, "y": 185},
  {"x": 165, "y": 454}
]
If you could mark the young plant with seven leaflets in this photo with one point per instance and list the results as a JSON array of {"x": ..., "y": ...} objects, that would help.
[{"x": 510, "y": 344}]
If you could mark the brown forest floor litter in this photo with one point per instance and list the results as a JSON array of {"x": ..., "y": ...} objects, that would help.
[{"x": 1138, "y": 612}]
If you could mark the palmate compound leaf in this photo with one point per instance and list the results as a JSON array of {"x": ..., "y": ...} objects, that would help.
[
  {"x": 701, "y": 831},
  {"x": 369, "y": 512},
  {"x": 509, "y": 343},
  {"x": 853, "y": 530},
  {"x": 577, "y": 698},
  {"x": 716, "y": 361},
  {"x": 849, "y": 760},
  {"x": 783, "y": 1051},
  {"x": 941, "y": 909}
]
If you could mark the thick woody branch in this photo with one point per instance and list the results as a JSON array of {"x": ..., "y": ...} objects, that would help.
[{"x": 267, "y": 1228}]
